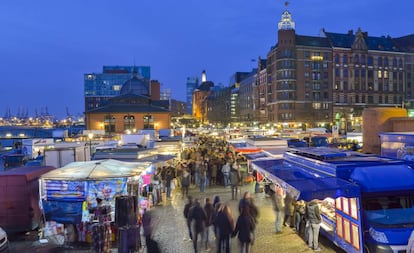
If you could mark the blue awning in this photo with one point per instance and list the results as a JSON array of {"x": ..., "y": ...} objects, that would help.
[{"x": 303, "y": 184}]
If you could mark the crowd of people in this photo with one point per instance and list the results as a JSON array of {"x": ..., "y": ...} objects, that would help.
[
  {"x": 218, "y": 218},
  {"x": 212, "y": 162},
  {"x": 208, "y": 163},
  {"x": 303, "y": 217}
]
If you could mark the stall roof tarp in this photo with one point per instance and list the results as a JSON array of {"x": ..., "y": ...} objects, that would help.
[
  {"x": 303, "y": 184},
  {"x": 384, "y": 178},
  {"x": 29, "y": 172},
  {"x": 256, "y": 155},
  {"x": 100, "y": 169}
]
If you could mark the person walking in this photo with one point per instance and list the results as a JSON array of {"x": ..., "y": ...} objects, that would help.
[
  {"x": 245, "y": 227},
  {"x": 203, "y": 177},
  {"x": 225, "y": 227},
  {"x": 210, "y": 213},
  {"x": 198, "y": 218},
  {"x": 168, "y": 179},
  {"x": 278, "y": 202},
  {"x": 185, "y": 183},
  {"x": 226, "y": 173},
  {"x": 314, "y": 218},
  {"x": 247, "y": 202},
  {"x": 289, "y": 211},
  {"x": 187, "y": 208},
  {"x": 213, "y": 175},
  {"x": 234, "y": 181}
]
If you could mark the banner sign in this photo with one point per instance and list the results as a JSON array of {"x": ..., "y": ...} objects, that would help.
[{"x": 64, "y": 190}]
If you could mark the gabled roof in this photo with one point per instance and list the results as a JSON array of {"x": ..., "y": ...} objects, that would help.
[
  {"x": 406, "y": 43},
  {"x": 373, "y": 43},
  {"x": 312, "y": 41}
]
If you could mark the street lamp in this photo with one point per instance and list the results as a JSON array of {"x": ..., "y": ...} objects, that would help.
[{"x": 90, "y": 137}]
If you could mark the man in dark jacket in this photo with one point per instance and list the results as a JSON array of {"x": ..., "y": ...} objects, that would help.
[
  {"x": 198, "y": 218},
  {"x": 187, "y": 208},
  {"x": 234, "y": 181},
  {"x": 314, "y": 218}
]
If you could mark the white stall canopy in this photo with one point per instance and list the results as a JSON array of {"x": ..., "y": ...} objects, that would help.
[{"x": 100, "y": 169}]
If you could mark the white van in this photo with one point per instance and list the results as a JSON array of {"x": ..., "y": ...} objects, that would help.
[{"x": 4, "y": 243}]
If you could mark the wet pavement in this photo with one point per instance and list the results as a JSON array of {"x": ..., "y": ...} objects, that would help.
[{"x": 170, "y": 230}]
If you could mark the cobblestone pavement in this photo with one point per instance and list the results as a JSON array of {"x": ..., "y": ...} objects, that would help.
[{"x": 170, "y": 230}]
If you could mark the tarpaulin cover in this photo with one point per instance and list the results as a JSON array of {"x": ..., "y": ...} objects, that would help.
[
  {"x": 302, "y": 183},
  {"x": 29, "y": 172},
  {"x": 256, "y": 155},
  {"x": 99, "y": 169},
  {"x": 384, "y": 178}
]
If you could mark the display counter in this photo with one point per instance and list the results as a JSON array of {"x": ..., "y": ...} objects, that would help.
[{"x": 327, "y": 210}]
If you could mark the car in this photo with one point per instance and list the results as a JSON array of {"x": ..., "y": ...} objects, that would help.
[{"x": 4, "y": 242}]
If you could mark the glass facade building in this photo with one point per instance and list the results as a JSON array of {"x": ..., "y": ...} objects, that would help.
[
  {"x": 192, "y": 84},
  {"x": 100, "y": 87}
]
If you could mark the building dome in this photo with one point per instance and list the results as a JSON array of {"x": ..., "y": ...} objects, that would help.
[{"x": 135, "y": 86}]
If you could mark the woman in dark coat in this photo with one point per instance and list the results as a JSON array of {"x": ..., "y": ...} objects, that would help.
[
  {"x": 225, "y": 226},
  {"x": 198, "y": 218},
  {"x": 245, "y": 230}
]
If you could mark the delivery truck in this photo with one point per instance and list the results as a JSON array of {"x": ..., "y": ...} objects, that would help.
[
  {"x": 366, "y": 201},
  {"x": 19, "y": 198}
]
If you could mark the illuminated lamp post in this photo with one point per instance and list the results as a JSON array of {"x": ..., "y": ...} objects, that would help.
[{"x": 90, "y": 137}]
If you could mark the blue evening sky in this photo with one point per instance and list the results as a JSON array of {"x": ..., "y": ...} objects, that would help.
[{"x": 47, "y": 45}]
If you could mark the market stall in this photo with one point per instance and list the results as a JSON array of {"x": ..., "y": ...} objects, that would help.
[{"x": 71, "y": 195}]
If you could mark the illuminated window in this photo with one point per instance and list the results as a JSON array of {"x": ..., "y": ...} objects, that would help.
[
  {"x": 379, "y": 74},
  {"x": 339, "y": 227},
  {"x": 129, "y": 122},
  {"x": 354, "y": 208},
  {"x": 316, "y": 106},
  {"x": 116, "y": 87},
  {"x": 347, "y": 230},
  {"x": 355, "y": 236}
]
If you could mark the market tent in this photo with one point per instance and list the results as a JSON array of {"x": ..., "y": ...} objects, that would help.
[
  {"x": 100, "y": 169},
  {"x": 64, "y": 190},
  {"x": 303, "y": 184}
]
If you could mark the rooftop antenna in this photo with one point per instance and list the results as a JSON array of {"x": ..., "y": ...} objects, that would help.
[{"x": 134, "y": 70}]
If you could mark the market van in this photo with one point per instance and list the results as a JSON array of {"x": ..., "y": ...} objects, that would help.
[
  {"x": 19, "y": 198},
  {"x": 366, "y": 201}
]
